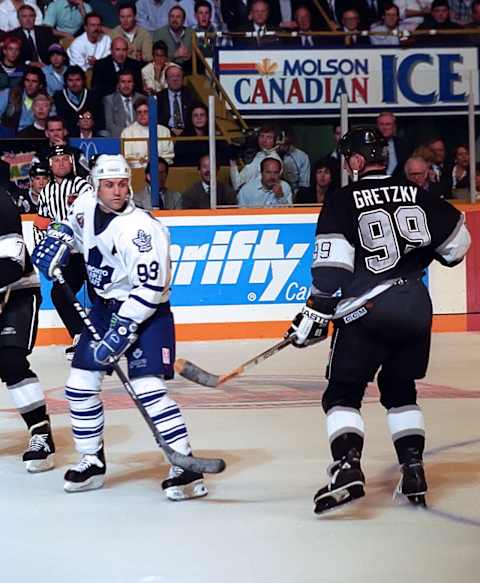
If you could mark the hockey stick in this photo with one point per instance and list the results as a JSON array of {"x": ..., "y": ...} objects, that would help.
[
  {"x": 193, "y": 464},
  {"x": 194, "y": 373}
]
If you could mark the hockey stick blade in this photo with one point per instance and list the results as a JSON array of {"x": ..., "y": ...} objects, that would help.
[
  {"x": 198, "y": 375},
  {"x": 186, "y": 462},
  {"x": 194, "y": 373}
]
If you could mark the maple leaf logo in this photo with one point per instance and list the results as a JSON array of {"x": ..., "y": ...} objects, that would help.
[{"x": 267, "y": 67}]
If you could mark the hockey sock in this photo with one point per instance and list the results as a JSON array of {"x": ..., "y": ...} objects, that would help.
[
  {"x": 163, "y": 411},
  {"x": 407, "y": 427},
  {"x": 35, "y": 417},
  {"x": 345, "y": 430},
  {"x": 86, "y": 409}
]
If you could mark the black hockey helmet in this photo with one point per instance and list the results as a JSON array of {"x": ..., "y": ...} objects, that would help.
[
  {"x": 39, "y": 170},
  {"x": 366, "y": 141},
  {"x": 59, "y": 150}
]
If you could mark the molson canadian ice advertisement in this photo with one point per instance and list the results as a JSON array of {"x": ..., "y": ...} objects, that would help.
[{"x": 299, "y": 82}]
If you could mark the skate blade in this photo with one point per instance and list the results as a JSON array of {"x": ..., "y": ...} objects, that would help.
[
  {"x": 336, "y": 500},
  {"x": 196, "y": 489},
  {"x": 93, "y": 483},
  {"x": 415, "y": 498},
  {"x": 37, "y": 466}
]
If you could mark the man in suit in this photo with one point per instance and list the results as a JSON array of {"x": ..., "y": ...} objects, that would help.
[
  {"x": 198, "y": 195},
  {"x": 303, "y": 20},
  {"x": 369, "y": 10},
  {"x": 118, "y": 106},
  {"x": 168, "y": 199},
  {"x": 106, "y": 70},
  {"x": 258, "y": 25},
  {"x": 35, "y": 39},
  {"x": 398, "y": 150},
  {"x": 174, "y": 102}
]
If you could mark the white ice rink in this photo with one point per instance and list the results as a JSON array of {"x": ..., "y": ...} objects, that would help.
[{"x": 257, "y": 524}]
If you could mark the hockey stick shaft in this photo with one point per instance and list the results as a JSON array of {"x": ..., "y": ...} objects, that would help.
[
  {"x": 193, "y": 464},
  {"x": 194, "y": 373}
]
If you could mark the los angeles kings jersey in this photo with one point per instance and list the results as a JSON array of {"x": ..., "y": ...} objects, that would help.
[
  {"x": 375, "y": 232},
  {"x": 13, "y": 248},
  {"x": 127, "y": 256}
]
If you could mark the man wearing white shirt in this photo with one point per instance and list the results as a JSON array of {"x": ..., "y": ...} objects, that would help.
[
  {"x": 268, "y": 189},
  {"x": 91, "y": 46}
]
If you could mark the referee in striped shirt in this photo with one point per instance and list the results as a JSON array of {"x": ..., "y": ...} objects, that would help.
[{"x": 53, "y": 204}]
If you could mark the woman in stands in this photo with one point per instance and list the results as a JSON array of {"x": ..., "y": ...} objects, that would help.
[{"x": 322, "y": 182}]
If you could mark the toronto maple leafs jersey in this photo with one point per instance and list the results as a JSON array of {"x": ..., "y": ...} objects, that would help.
[
  {"x": 377, "y": 231},
  {"x": 127, "y": 256}
]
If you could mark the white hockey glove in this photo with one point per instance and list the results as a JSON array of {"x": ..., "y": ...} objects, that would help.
[{"x": 310, "y": 326}]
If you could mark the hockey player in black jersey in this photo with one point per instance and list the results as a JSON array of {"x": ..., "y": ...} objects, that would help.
[
  {"x": 374, "y": 239},
  {"x": 19, "y": 304}
]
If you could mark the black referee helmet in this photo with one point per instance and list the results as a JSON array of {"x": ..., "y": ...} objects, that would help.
[{"x": 366, "y": 141}]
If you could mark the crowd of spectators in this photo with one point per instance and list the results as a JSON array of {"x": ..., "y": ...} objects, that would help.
[{"x": 75, "y": 68}]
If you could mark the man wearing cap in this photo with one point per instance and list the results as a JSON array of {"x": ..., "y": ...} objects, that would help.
[
  {"x": 27, "y": 199},
  {"x": 35, "y": 39},
  {"x": 55, "y": 70}
]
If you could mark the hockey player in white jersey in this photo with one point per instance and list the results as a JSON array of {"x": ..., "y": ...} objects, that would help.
[{"x": 127, "y": 256}]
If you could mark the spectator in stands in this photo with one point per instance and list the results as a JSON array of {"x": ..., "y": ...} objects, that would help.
[
  {"x": 460, "y": 11},
  {"x": 439, "y": 19},
  {"x": 296, "y": 163},
  {"x": 86, "y": 126},
  {"x": 368, "y": 10},
  {"x": 35, "y": 39},
  {"x": 198, "y": 195},
  {"x": 54, "y": 72},
  {"x": 139, "y": 40},
  {"x": 168, "y": 199},
  {"x": 66, "y": 16},
  {"x": 75, "y": 98},
  {"x": 204, "y": 26},
  {"x": 91, "y": 46},
  {"x": 267, "y": 137},
  {"x": 189, "y": 153},
  {"x": 303, "y": 20},
  {"x": 9, "y": 13},
  {"x": 118, "y": 106},
  {"x": 460, "y": 175},
  {"x": 108, "y": 11},
  {"x": 439, "y": 163},
  {"x": 57, "y": 135},
  {"x": 398, "y": 150},
  {"x": 106, "y": 70},
  {"x": 263, "y": 33},
  {"x": 151, "y": 14},
  {"x": 412, "y": 12},
  {"x": 153, "y": 74},
  {"x": 390, "y": 23},
  {"x": 176, "y": 36},
  {"x": 16, "y": 104},
  {"x": 418, "y": 171},
  {"x": 137, "y": 152},
  {"x": 174, "y": 102},
  {"x": 41, "y": 106},
  {"x": 351, "y": 25},
  {"x": 267, "y": 189},
  {"x": 11, "y": 67},
  {"x": 322, "y": 182}
]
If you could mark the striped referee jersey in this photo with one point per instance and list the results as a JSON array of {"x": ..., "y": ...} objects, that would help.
[{"x": 54, "y": 202}]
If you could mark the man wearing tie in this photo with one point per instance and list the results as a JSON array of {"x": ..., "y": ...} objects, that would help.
[
  {"x": 174, "y": 102},
  {"x": 258, "y": 25},
  {"x": 118, "y": 106},
  {"x": 303, "y": 19},
  {"x": 35, "y": 39}
]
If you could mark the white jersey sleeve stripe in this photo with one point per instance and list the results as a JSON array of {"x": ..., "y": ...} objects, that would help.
[
  {"x": 333, "y": 250},
  {"x": 455, "y": 247}
]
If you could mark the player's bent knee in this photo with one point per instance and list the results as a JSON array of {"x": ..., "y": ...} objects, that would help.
[
  {"x": 14, "y": 366},
  {"x": 396, "y": 392},
  {"x": 85, "y": 380},
  {"x": 343, "y": 395},
  {"x": 148, "y": 384}
]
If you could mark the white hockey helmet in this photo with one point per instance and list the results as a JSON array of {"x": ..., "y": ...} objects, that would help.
[{"x": 110, "y": 166}]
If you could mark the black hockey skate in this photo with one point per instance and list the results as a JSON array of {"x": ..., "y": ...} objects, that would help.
[
  {"x": 88, "y": 474},
  {"x": 346, "y": 484},
  {"x": 183, "y": 485},
  {"x": 39, "y": 456},
  {"x": 412, "y": 484}
]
